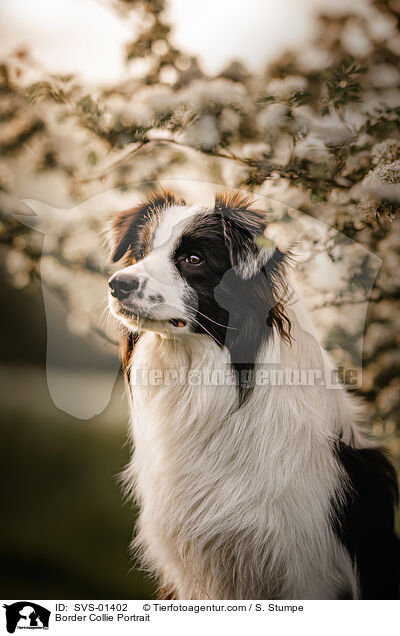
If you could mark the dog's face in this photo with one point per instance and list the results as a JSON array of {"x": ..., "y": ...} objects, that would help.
[
  {"x": 189, "y": 269},
  {"x": 149, "y": 292}
]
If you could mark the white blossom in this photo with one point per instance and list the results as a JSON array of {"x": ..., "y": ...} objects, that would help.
[
  {"x": 203, "y": 133},
  {"x": 272, "y": 116},
  {"x": 386, "y": 151},
  {"x": 286, "y": 87}
]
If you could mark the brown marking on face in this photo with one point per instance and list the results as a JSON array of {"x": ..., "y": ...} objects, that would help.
[{"x": 133, "y": 230}]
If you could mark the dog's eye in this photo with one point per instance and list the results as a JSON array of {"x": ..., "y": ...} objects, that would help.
[{"x": 193, "y": 259}]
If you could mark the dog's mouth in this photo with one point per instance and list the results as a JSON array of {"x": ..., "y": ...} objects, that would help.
[
  {"x": 177, "y": 322},
  {"x": 141, "y": 317}
]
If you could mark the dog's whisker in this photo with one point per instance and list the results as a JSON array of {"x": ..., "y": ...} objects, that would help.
[
  {"x": 210, "y": 319},
  {"x": 104, "y": 318},
  {"x": 209, "y": 333}
]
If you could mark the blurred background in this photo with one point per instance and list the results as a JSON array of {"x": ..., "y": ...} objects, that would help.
[{"x": 298, "y": 103}]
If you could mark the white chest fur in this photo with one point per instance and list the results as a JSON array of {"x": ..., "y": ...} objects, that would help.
[{"x": 234, "y": 502}]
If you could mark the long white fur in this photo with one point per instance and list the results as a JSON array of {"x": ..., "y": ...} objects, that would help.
[{"x": 235, "y": 502}]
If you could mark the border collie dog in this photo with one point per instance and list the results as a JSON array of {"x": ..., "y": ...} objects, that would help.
[{"x": 247, "y": 488}]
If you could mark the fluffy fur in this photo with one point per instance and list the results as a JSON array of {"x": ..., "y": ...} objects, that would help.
[{"x": 245, "y": 490}]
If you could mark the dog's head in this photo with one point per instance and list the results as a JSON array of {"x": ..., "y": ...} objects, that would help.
[{"x": 189, "y": 269}]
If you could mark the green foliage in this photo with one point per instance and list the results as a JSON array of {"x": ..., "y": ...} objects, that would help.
[
  {"x": 64, "y": 532},
  {"x": 343, "y": 84}
]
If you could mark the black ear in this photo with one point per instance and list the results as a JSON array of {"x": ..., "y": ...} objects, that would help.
[
  {"x": 242, "y": 225},
  {"x": 124, "y": 232},
  {"x": 238, "y": 207},
  {"x": 274, "y": 288},
  {"x": 239, "y": 241},
  {"x": 128, "y": 229}
]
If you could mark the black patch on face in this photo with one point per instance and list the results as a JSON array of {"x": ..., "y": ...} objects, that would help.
[
  {"x": 363, "y": 519},
  {"x": 237, "y": 313}
]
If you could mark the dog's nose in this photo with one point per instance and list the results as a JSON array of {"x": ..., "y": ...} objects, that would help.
[{"x": 122, "y": 285}]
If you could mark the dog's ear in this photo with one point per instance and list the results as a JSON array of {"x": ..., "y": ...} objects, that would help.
[
  {"x": 124, "y": 231},
  {"x": 128, "y": 228},
  {"x": 255, "y": 259},
  {"x": 238, "y": 206},
  {"x": 273, "y": 287},
  {"x": 239, "y": 241},
  {"x": 243, "y": 227}
]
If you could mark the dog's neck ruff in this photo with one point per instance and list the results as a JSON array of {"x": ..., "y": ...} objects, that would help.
[{"x": 237, "y": 488}]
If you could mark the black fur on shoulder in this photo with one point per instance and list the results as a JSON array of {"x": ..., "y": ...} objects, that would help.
[{"x": 363, "y": 518}]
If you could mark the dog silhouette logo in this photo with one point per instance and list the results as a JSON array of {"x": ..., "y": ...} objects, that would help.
[{"x": 26, "y": 615}]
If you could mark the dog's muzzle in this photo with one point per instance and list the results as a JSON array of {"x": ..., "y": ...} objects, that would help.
[{"x": 128, "y": 291}]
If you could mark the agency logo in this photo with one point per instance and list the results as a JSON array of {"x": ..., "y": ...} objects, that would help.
[{"x": 26, "y": 615}]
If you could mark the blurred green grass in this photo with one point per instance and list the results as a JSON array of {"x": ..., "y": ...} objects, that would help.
[{"x": 65, "y": 531}]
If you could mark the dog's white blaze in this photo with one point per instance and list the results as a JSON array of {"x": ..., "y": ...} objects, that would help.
[
  {"x": 172, "y": 223},
  {"x": 235, "y": 502},
  {"x": 159, "y": 280}
]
